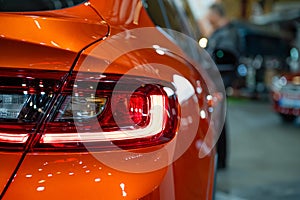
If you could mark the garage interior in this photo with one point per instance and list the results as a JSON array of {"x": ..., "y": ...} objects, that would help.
[
  {"x": 263, "y": 154},
  {"x": 263, "y": 158}
]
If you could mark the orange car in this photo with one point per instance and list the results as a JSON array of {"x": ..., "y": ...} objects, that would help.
[{"x": 96, "y": 102}]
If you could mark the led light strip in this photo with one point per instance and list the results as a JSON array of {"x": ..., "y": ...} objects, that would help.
[
  {"x": 13, "y": 138},
  {"x": 155, "y": 127}
]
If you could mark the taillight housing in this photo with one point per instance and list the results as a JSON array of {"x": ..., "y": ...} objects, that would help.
[
  {"x": 25, "y": 96},
  {"x": 111, "y": 111},
  {"x": 56, "y": 111}
]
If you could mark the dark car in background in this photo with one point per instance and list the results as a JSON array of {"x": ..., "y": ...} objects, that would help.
[{"x": 263, "y": 54}]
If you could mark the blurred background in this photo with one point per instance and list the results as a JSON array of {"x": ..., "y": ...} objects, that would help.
[
  {"x": 269, "y": 40},
  {"x": 263, "y": 127},
  {"x": 259, "y": 148}
]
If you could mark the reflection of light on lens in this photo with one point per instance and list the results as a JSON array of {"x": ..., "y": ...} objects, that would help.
[
  {"x": 169, "y": 91},
  {"x": 185, "y": 89},
  {"x": 203, "y": 42}
]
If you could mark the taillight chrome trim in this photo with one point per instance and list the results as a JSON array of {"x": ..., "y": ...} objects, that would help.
[{"x": 155, "y": 127}]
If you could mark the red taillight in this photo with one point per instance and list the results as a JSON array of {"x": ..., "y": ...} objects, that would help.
[
  {"x": 103, "y": 112},
  {"x": 24, "y": 99},
  {"x": 14, "y": 138},
  {"x": 138, "y": 108},
  {"x": 111, "y": 111}
]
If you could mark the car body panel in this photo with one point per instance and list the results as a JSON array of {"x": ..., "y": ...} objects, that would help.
[
  {"x": 123, "y": 14},
  {"x": 8, "y": 161},
  {"x": 53, "y": 37},
  {"x": 77, "y": 176}
]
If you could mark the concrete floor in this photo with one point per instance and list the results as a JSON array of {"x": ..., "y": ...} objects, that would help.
[{"x": 264, "y": 155}]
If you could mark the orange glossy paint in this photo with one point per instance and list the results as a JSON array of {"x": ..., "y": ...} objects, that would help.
[
  {"x": 8, "y": 163},
  {"x": 77, "y": 176},
  {"x": 122, "y": 14},
  {"x": 48, "y": 40}
]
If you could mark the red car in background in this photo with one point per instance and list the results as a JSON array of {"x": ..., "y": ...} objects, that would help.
[
  {"x": 286, "y": 96},
  {"x": 97, "y": 102}
]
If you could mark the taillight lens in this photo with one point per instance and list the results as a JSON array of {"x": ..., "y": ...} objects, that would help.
[
  {"x": 24, "y": 98},
  {"x": 111, "y": 111},
  {"x": 46, "y": 110}
]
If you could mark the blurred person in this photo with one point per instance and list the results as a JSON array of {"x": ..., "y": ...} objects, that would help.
[
  {"x": 223, "y": 47},
  {"x": 224, "y": 35}
]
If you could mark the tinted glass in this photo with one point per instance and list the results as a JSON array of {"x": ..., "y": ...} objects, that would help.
[{"x": 175, "y": 15}]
